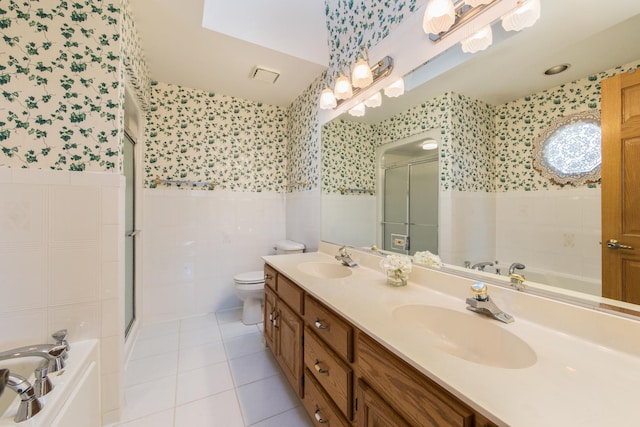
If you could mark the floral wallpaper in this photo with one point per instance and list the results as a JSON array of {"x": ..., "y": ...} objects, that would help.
[
  {"x": 519, "y": 122},
  {"x": 466, "y": 144},
  {"x": 60, "y": 84},
  {"x": 192, "y": 135},
  {"x": 348, "y": 156},
  {"x": 133, "y": 58},
  {"x": 352, "y": 23}
]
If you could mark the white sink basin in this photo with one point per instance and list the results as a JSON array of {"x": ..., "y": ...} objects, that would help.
[
  {"x": 325, "y": 270},
  {"x": 469, "y": 336}
]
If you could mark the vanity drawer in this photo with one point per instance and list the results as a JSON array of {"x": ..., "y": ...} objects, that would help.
[
  {"x": 319, "y": 407},
  {"x": 334, "y": 375},
  {"x": 290, "y": 293},
  {"x": 270, "y": 276},
  {"x": 330, "y": 327}
]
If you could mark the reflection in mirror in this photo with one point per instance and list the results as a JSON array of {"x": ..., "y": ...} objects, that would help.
[{"x": 493, "y": 205}]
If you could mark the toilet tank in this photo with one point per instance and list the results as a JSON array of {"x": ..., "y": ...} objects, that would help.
[{"x": 289, "y": 247}]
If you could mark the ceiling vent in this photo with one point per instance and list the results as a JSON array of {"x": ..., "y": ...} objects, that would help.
[{"x": 265, "y": 75}]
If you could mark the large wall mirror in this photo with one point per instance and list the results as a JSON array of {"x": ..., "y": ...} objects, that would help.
[{"x": 485, "y": 112}]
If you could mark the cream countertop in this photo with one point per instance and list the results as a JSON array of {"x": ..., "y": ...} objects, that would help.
[{"x": 588, "y": 363}]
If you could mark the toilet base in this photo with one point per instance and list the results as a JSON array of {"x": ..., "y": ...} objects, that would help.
[{"x": 252, "y": 311}]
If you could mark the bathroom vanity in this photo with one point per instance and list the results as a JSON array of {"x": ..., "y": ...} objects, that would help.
[{"x": 361, "y": 353}]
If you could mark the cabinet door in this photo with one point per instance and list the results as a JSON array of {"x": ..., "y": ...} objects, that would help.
[
  {"x": 373, "y": 411},
  {"x": 289, "y": 345},
  {"x": 269, "y": 318}
]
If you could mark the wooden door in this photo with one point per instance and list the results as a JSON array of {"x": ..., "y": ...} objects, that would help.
[
  {"x": 289, "y": 346},
  {"x": 621, "y": 187},
  {"x": 269, "y": 318}
]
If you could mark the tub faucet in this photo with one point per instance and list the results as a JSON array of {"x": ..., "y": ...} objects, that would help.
[
  {"x": 54, "y": 354},
  {"x": 516, "y": 279},
  {"x": 481, "y": 265},
  {"x": 344, "y": 257},
  {"x": 29, "y": 403},
  {"x": 481, "y": 303}
]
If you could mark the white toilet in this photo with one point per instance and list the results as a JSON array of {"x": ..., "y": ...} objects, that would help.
[{"x": 250, "y": 286}]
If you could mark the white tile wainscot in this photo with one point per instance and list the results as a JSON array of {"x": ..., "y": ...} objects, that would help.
[{"x": 61, "y": 257}]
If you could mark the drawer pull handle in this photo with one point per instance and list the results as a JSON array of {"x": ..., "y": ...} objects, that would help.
[
  {"x": 268, "y": 276},
  {"x": 320, "y": 325},
  {"x": 319, "y": 417},
  {"x": 275, "y": 322},
  {"x": 319, "y": 369}
]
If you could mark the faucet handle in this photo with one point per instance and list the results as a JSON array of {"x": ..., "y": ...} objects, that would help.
[
  {"x": 61, "y": 338},
  {"x": 479, "y": 290}
]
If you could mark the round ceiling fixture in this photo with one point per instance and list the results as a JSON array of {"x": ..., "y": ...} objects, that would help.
[
  {"x": 557, "y": 69},
  {"x": 429, "y": 144}
]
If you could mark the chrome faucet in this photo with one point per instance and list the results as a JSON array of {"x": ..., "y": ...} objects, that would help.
[
  {"x": 516, "y": 279},
  {"x": 29, "y": 403},
  {"x": 344, "y": 257},
  {"x": 54, "y": 354},
  {"x": 481, "y": 265},
  {"x": 481, "y": 303}
]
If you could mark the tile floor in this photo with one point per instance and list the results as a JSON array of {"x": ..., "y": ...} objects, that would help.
[{"x": 211, "y": 371}]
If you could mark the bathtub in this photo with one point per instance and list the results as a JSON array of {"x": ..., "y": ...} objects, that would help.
[
  {"x": 75, "y": 398},
  {"x": 565, "y": 281}
]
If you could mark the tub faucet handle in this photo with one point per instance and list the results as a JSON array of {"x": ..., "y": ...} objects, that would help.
[{"x": 61, "y": 338}]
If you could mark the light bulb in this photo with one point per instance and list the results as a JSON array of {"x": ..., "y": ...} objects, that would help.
[
  {"x": 327, "y": 99},
  {"x": 361, "y": 74},
  {"x": 374, "y": 101},
  {"x": 478, "y": 41},
  {"x": 342, "y": 88},
  {"x": 522, "y": 17},
  {"x": 358, "y": 110},
  {"x": 439, "y": 16},
  {"x": 395, "y": 89}
]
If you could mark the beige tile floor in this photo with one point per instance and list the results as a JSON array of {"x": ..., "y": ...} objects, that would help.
[{"x": 207, "y": 371}]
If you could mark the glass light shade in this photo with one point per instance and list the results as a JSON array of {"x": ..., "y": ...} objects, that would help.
[
  {"x": 476, "y": 3},
  {"x": 429, "y": 144},
  {"x": 395, "y": 89},
  {"x": 327, "y": 99},
  {"x": 374, "y": 101},
  {"x": 342, "y": 88},
  {"x": 522, "y": 17},
  {"x": 478, "y": 41},
  {"x": 439, "y": 16},
  {"x": 358, "y": 110},
  {"x": 361, "y": 75}
]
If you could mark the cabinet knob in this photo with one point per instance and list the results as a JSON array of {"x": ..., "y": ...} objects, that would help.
[
  {"x": 319, "y": 417},
  {"x": 320, "y": 325},
  {"x": 320, "y": 369},
  {"x": 268, "y": 276}
]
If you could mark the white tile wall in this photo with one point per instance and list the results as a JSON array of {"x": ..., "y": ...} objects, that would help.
[
  {"x": 194, "y": 242},
  {"x": 349, "y": 219},
  {"x": 303, "y": 217},
  {"x": 61, "y": 262}
]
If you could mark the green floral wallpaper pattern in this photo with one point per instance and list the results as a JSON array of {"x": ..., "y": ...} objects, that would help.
[
  {"x": 352, "y": 23},
  {"x": 133, "y": 57},
  {"x": 519, "y": 122},
  {"x": 60, "y": 85},
  {"x": 192, "y": 135}
]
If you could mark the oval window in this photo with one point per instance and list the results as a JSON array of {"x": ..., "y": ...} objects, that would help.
[{"x": 569, "y": 151}]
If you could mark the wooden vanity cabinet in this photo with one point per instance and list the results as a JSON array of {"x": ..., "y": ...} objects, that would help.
[
  {"x": 343, "y": 376},
  {"x": 393, "y": 393},
  {"x": 283, "y": 328}
]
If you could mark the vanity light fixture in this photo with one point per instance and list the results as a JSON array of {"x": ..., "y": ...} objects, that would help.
[
  {"x": 361, "y": 75},
  {"x": 358, "y": 110},
  {"x": 395, "y": 89},
  {"x": 524, "y": 16},
  {"x": 374, "y": 100},
  {"x": 439, "y": 24},
  {"x": 345, "y": 88}
]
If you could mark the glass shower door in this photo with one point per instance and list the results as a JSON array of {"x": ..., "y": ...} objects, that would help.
[
  {"x": 396, "y": 208},
  {"x": 130, "y": 229}
]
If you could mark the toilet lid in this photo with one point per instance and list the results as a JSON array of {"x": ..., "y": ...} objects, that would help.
[{"x": 249, "y": 277}]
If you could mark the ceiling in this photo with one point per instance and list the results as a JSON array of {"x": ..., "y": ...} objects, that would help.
[{"x": 587, "y": 34}]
